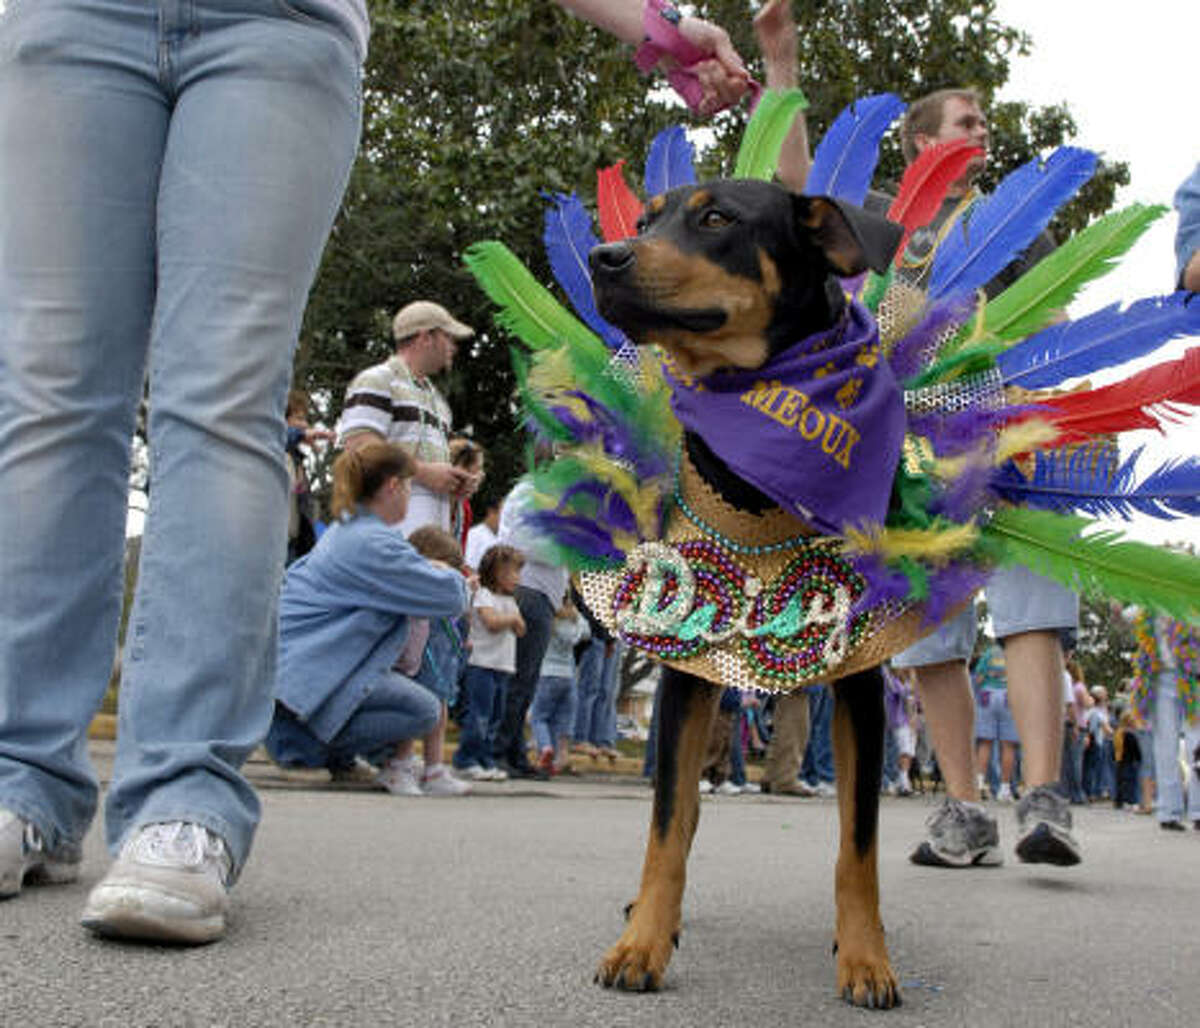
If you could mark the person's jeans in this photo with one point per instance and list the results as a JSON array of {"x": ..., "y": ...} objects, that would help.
[
  {"x": 590, "y": 675},
  {"x": 1072, "y": 764},
  {"x": 395, "y": 710},
  {"x": 553, "y": 711},
  {"x": 486, "y": 690},
  {"x": 1170, "y": 804},
  {"x": 818, "y": 758},
  {"x": 169, "y": 176},
  {"x": 538, "y": 612}
]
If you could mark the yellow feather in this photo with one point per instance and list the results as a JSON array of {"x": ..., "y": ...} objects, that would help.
[
  {"x": 1023, "y": 437},
  {"x": 921, "y": 543}
]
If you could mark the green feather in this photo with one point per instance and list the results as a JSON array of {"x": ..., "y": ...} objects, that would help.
[
  {"x": 875, "y": 288},
  {"x": 761, "y": 142},
  {"x": 973, "y": 360},
  {"x": 527, "y": 309},
  {"x": 1033, "y": 301},
  {"x": 1103, "y": 563},
  {"x": 531, "y": 403}
]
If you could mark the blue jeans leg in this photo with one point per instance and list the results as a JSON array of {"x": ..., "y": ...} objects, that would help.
[
  {"x": 551, "y": 713},
  {"x": 818, "y": 758},
  {"x": 591, "y": 667},
  {"x": 396, "y": 710},
  {"x": 474, "y": 745},
  {"x": 174, "y": 218},
  {"x": 604, "y": 711},
  {"x": 538, "y": 612}
]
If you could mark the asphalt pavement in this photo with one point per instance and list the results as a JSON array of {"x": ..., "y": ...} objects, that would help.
[{"x": 358, "y": 908}]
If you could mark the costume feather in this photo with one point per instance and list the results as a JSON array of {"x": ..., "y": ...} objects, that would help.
[
  {"x": 1031, "y": 302},
  {"x": 1074, "y": 480},
  {"x": 924, "y": 185},
  {"x": 1103, "y": 563},
  {"x": 845, "y": 159},
  {"x": 1104, "y": 339},
  {"x": 527, "y": 309},
  {"x": 911, "y": 353},
  {"x": 1143, "y": 400},
  {"x": 669, "y": 161},
  {"x": 568, "y": 238},
  {"x": 772, "y": 120},
  {"x": 619, "y": 208},
  {"x": 1005, "y": 223}
]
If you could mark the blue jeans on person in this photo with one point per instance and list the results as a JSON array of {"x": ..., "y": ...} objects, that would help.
[
  {"x": 508, "y": 743},
  {"x": 486, "y": 691},
  {"x": 650, "y": 758},
  {"x": 553, "y": 712},
  {"x": 1173, "y": 802},
  {"x": 1072, "y": 764},
  {"x": 396, "y": 710},
  {"x": 818, "y": 757},
  {"x": 170, "y": 175},
  {"x": 737, "y": 754},
  {"x": 599, "y": 685}
]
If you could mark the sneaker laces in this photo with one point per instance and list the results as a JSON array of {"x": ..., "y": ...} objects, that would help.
[
  {"x": 181, "y": 844},
  {"x": 951, "y": 810}
]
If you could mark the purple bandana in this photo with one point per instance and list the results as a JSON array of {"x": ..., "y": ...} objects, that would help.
[{"x": 818, "y": 428}]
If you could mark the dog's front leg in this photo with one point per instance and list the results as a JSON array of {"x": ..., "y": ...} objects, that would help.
[
  {"x": 640, "y": 957},
  {"x": 864, "y": 973}
]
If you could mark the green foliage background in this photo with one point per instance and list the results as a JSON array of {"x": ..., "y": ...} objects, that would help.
[{"x": 472, "y": 110}]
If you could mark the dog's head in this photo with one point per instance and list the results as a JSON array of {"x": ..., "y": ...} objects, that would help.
[{"x": 730, "y": 272}]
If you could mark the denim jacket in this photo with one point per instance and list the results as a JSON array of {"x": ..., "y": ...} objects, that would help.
[{"x": 343, "y": 617}]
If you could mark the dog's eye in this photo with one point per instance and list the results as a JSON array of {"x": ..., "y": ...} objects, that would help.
[
  {"x": 641, "y": 224},
  {"x": 714, "y": 219}
]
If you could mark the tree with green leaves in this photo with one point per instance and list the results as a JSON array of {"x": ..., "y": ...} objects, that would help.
[{"x": 472, "y": 112}]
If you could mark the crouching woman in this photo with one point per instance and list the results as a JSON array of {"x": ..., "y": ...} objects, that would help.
[{"x": 344, "y": 615}]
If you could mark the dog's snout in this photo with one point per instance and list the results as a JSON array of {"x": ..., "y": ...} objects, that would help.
[{"x": 611, "y": 258}]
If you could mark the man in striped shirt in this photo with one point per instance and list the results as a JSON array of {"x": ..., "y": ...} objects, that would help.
[{"x": 397, "y": 402}]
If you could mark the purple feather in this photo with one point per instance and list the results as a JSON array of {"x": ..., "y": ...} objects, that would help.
[
  {"x": 609, "y": 508},
  {"x": 914, "y": 351},
  {"x": 883, "y": 584},
  {"x": 579, "y": 534},
  {"x": 620, "y": 442},
  {"x": 948, "y": 587},
  {"x": 963, "y": 497}
]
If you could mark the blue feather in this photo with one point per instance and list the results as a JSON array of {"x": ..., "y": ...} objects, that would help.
[
  {"x": 1104, "y": 339},
  {"x": 845, "y": 160},
  {"x": 569, "y": 237},
  {"x": 1066, "y": 480},
  {"x": 1005, "y": 223},
  {"x": 669, "y": 161}
]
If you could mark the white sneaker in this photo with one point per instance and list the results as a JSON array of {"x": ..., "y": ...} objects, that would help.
[
  {"x": 474, "y": 772},
  {"x": 439, "y": 780},
  {"x": 727, "y": 788},
  {"x": 705, "y": 786},
  {"x": 825, "y": 790},
  {"x": 23, "y": 855},
  {"x": 496, "y": 774},
  {"x": 399, "y": 777},
  {"x": 1004, "y": 793},
  {"x": 751, "y": 788},
  {"x": 169, "y": 884}
]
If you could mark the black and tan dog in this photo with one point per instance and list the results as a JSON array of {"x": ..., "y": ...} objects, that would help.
[{"x": 727, "y": 274}]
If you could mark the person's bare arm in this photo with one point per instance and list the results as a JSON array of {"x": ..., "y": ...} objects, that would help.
[
  {"x": 775, "y": 30},
  {"x": 495, "y": 621},
  {"x": 1191, "y": 274},
  {"x": 724, "y": 78}
]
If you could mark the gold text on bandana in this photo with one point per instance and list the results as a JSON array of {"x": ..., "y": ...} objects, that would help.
[{"x": 790, "y": 407}]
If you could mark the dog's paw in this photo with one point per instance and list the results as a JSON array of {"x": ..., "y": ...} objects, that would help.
[
  {"x": 638, "y": 961},
  {"x": 865, "y": 977}
]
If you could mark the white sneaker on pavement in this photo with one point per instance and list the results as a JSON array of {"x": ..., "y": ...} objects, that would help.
[
  {"x": 705, "y": 786},
  {"x": 751, "y": 788},
  {"x": 23, "y": 855},
  {"x": 727, "y": 788},
  {"x": 169, "y": 884},
  {"x": 826, "y": 790},
  {"x": 439, "y": 780},
  {"x": 399, "y": 777}
]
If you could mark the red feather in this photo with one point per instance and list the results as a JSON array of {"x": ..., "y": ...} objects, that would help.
[
  {"x": 1144, "y": 400},
  {"x": 924, "y": 185},
  {"x": 619, "y": 207}
]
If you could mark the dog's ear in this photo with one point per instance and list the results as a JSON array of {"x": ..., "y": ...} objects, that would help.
[{"x": 851, "y": 238}]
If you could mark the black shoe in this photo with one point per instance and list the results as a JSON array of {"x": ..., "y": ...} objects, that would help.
[
  {"x": 527, "y": 770},
  {"x": 1172, "y": 826}
]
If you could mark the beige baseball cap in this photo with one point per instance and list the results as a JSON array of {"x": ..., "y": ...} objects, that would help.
[{"x": 422, "y": 315}]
